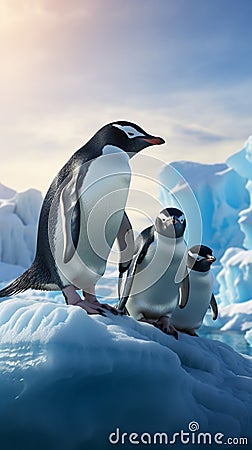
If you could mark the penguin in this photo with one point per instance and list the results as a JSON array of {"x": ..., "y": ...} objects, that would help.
[
  {"x": 157, "y": 271},
  {"x": 188, "y": 320},
  {"x": 82, "y": 214}
]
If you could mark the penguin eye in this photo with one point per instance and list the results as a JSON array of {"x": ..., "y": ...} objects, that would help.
[
  {"x": 181, "y": 218},
  {"x": 163, "y": 218}
]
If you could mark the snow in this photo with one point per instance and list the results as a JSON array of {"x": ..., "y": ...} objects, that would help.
[{"x": 69, "y": 380}]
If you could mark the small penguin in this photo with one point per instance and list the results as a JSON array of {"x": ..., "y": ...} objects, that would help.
[
  {"x": 200, "y": 259},
  {"x": 156, "y": 272},
  {"x": 82, "y": 215}
]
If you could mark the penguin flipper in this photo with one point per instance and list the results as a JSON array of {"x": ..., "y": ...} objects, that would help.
[
  {"x": 184, "y": 291},
  {"x": 143, "y": 241},
  {"x": 70, "y": 214},
  {"x": 128, "y": 283},
  {"x": 214, "y": 307},
  {"x": 126, "y": 243}
]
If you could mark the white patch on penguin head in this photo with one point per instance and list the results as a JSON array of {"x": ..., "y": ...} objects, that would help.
[
  {"x": 163, "y": 217},
  {"x": 181, "y": 218},
  {"x": 196, "y": 256},
  {"x": 130, "y": 131}
]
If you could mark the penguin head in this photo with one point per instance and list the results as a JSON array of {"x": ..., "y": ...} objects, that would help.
[
  {"x": 200, "y": 258},
  {"x": 128, "y": 136},
  {"x": 171, "y": 223}
]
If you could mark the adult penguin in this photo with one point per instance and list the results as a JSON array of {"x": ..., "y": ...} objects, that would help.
[{"x": 82, "y": 215}]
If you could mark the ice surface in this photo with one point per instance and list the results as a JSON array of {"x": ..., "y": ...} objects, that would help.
[
  {"x": 18, "y": 226},
  {"x": 68, "y": 380}
]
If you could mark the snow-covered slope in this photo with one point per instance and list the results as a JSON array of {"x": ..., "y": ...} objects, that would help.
[{"x": 68, "y": 381}]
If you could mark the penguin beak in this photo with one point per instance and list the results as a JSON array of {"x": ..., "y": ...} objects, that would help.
[
  {"x": 154, "y": 140},
  {"x": 210, "y": 258}
]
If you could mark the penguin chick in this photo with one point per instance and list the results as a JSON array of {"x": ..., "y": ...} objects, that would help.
[
  {"x": 151, "y": 290},
  {"x": 189, "y": 319},
  {"x": 82, "y": 214}
]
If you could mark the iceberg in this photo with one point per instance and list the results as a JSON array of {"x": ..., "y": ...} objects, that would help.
[
  {"x": 221, "y": 195},
  {"x": 72, "y": 381},
  {"x": 241, "y": 162},
  {"x": 19, "y": 214}
]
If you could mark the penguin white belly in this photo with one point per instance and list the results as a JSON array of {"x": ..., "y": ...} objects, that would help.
[
  {"x": 155, "y": 289},
  {"x": 102, "y": 197},
  {"x": 200, "y": 292}
]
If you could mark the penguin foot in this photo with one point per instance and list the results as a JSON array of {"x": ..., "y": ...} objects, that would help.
[
  {"x": 164, "y": 325},
  {"x": 91, "y": 299},
  {"x": 91, "y": 306}
]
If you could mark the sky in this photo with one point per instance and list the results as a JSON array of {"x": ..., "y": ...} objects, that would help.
[{"x": 181, "y": 69}]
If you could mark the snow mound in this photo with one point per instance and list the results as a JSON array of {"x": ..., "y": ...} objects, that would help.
[
  {"x": 18, "y": 226},
  {"x": 69, "y": 380}
]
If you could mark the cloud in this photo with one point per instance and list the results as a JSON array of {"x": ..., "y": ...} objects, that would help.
[{"x": 198, "y": 134}]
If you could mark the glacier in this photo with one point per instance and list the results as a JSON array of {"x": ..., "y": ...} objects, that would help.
[{"x": 69, "y": 381}]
